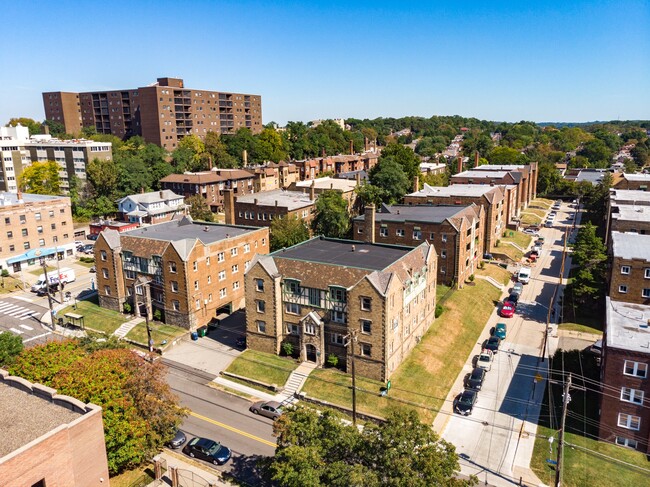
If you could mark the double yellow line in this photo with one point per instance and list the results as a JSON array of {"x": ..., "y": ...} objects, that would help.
[{"x": 234, "y": 430}]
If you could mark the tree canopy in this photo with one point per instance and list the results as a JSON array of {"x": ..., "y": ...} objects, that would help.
[
  {"x": 286, "y": 232},
  {"x": 10, "y": 346},
  {"x": 332, "y": 218},
  {"x": 41, "y": 178},
  {"x": 391, "y": 179},
  {"x": 590, "y": 256},
  {"x": 199, "y": 208}
]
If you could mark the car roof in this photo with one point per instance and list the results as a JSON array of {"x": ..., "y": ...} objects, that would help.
[{"x": 204, "y": 442}]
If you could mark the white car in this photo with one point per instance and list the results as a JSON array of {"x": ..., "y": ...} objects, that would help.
[{"x": 531, "y": 232}]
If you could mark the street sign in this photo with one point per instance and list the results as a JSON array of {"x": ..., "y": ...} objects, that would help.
[{"x": 550, "y": 461}]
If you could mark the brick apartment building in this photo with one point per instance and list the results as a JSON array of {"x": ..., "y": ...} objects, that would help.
[
  {"x": 344, "y": 186},
  {"x": 162, "y": 113},
  {"x": 455, "y": 232},
  {"x": 274, "y": 176},
  {"x": 152, "y": 207},
  {"x": 527, "y": 187},
  {"x": 195, "y": 271},
  {"x": 260, "y": 209},
  {"x": 630, "y": 268},
  {"x": 624, "y": 408},
  {"x": 33, "y": 226},
  {"x": 18, "y": 150},
  {"x": 490, "y": 198},
  {"x": 316, "y": 293},
  {"x": 211, "y": 184},
  {"x": 639, "y": 182},
  {"x": 628, "y": 211},
  {"x": 49, "y": 439},
  {"x": 313, "y": 168}
]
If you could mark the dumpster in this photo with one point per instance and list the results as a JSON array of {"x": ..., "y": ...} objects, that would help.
[
  {"x": 202, "y": 331},
  {"x": 195, "y": 335}
]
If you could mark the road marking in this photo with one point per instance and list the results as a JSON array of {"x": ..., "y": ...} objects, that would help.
[
  {"x": 5, "y": 305},
  {"x": 30, "y": 315},
  {"x": 11, "y": 309},
  {"x": 19, "y": 312},
  {"x": 25, "y": 312},
  {"x": 17, "y": 332},
  {"x": 37, "y": 336},
  {"x": 29, "y": 300},
  {"x": 234, "y": 430},
  {"x": 26, "y": 327}
]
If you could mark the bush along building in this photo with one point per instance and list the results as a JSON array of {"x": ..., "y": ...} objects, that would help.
[
  {"x": 326, "y": 296},
  {"x": 189, "y": 272}
]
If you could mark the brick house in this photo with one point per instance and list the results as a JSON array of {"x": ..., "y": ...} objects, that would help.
[
  {"x": 628, "y": 211},
  {"x": 195, "y": 271},
  {"x": 49, "y": 439},
  {"x": 315, "y": 294},
  {"x": 630, "y": 269},
  {"x": 274, "y": 176},
  {"x": 624, "y": 407},
  {"x": 490, "y": 198},
  {"x": 259, "y": 209},
  {"x": 633, "y": 181},
  {"x": 455, "y": 232},
  {"x": 312, "y": 168}
]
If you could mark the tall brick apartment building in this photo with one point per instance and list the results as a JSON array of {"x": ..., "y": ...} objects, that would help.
[
  {"x": 490, "y": 198},
  {"x": 628, "y": 211},
  {"x": 318, "y": 292},
  {"x": 455, "y": 232},
  {"x": 49, "y": 439},
  {"x": 195, "y": 271},
  {"x": 625, "y": 374},
  {"x": 162, "y": 113},
  {"x": 527, "y": 186}
]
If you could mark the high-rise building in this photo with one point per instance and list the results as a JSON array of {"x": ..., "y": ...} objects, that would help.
[{"x": 162, "y": 113}]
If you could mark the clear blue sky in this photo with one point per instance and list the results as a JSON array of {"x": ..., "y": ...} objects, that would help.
[{"x": 496, "y": 60}]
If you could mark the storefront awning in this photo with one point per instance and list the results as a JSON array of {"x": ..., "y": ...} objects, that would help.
[{"x": 31, "y": 254}]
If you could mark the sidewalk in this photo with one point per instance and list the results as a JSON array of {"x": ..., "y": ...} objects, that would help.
[{"x": 190, "y": 472}]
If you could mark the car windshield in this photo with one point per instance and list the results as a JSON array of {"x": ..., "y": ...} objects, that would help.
[
  {"x": 466, "y": 398},
  {"x": 484, "y": 358},
  {"x": 214, "y": 448},
  {"x": 493, "y": 340}
]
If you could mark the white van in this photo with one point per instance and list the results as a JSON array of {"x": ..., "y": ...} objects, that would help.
[
  {"x": 64, "y": 275},
  {"x": 524, "y": 275}
]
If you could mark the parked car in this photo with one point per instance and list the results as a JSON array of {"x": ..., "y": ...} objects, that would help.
[
  {"x": 53, "y": 288},
  {"x": 484, "y": 359},
  {"x": 88, "y": 248},
  {"x": 540, "y": 241},
  {"x": 93, "y": 269},
  {"x": 500, "y": 331},
  {"x": 548, "y": 224},
  {"x": 537, "y": 228},
  {"x": 523, "y": 276},
  {"x": 178, "y": 440},
  {"x": 488, "y": 256},
  {"x": 492, "y": 344},
  {"x": 93, "y": 236},
  {"x": 78, "y": 243},
  {"x": 507, "y": 310},
  {"x": 512, "y": 298},
  {"x": 530, "y": 231},
  {"x": 518, "y": 288},
  {"x": 476, "y": 378},
  {"x": 597, "y": 348},
  {"x": 270, "y": 409},
  {"x": 466, "y": 402},
  {"x": 208, "y": 450}
]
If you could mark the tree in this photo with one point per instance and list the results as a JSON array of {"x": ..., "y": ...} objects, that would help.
[
  {"x": 139, "y": 411},
  {"x": 199, "y": 209},
  {"x": 321, "y": 450},
  {"x": 332, "y": 218},
  {"x": 32, "y": 125},
  {"x": 405, "y": 157},
  {"x": 506, "y": 155},
  {"x": 389, "y": 176},
  {"x": 597, "y": 152},
  {"x": 216, "y": 152},
  {"x": 56, "y": 129},
  {"x": 370, "y": 194},
  {"x": 590, "y": 256},
  {"x": 41, "y": 178},
  {"x": 10, "y": 346},
  {"x": 270, "y": 146},
  {"x": 286, "y": 232},
  {"x": 103, "y": 175}
]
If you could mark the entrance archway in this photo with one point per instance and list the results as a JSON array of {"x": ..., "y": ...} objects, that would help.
[{"x": 310, "y": 352}]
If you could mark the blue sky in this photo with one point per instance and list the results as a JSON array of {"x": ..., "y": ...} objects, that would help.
[{"x": 497, "y": 60}]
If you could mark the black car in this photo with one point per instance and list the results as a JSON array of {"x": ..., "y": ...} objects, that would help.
[
  {"x": 513, "y": 298},
  {"x": 476, "y": 378},
  {"x": 492, "y": 343},
  {"x": 178, "y": 440},
  {"x": 488, "y": 256},
  {"x": 208, "y": 450},
  {"x": 466, "y": 402}
]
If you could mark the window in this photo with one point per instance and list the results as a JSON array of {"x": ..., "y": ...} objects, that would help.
[
  {"x": 209, "y": 279},
  {"x": 196, "y": 285},
  {"x": 625, "y": 269},
  {"x": 53, "y": 226},
  {"x": 443, "y": 238},
  {"x": 383, "y": 232},
  {"x": 292, "y": 286},
  {"x": 23, "y": 219},
  {"x": 622, "y": 289},
  {"x": 364, "y": 348},
  {"x": 247, "y": 248},
  {"x": 197, "y": 304},
  {"x": 235, "y": 285},
  {"x": 259, "y": 284},
  {"x": 443, "y": 254},
  {"x": 221, "y": 257},
  {"x": 261, "y": 326},
  {"x": 7, "y": 221},
  {"x": 261, "y": 306},
  {"x": 107, "y": 290},
  {"x": 360, "y": 230},
  {"x": 337, "y": 339},
  {"x": 51, "y": 213},
  {"x": 39, "y": 229},
  {"x": 102, "y": 255},
  {"x": 631, "y": 395},
  {"x": 293, "y": 329},
  {"x": 26, "y": 245},
  {"x": 233, "y": 251},
  {"x": 366, "y": 326},
  {"x": 174, "y": 285},
  {"x": 310, "y": 328},
  {"x": 636, "y": 369},
  {"x": 195, "y": 266},
  {"x": 338, "y": 316},
  {"x": 292, "y": 308},
  {"x": 365, "y": 303},
  {"x": 235, "y": 269},
  {"x": 399, "y": 232},
  {"x": 172, "y": 267},
  {"x": 626, "y": 442},
  {"x": 10, "y": 234},
  {"x": 629, "y": 421},
  {"x": 176, "y": 305},
  {"x": 222, "y": 292},
  {"x": 24, "y": 232},
  {"x": 207, "y": 260},
  {"x": 646, "y": 272},
  {"x": 417, "y": 235},
  {"x": 337, "y": 294},
  {"x": 12, "y": 248},
  {"x": 646, "y": 292},
  {"x": 105, "y": 273},
  {"x": 222, "y": 275}
]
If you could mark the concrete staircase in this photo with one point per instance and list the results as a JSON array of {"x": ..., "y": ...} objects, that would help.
[
  {"x": 127, "y": 327},
  {"x": 295, "y": 381}
]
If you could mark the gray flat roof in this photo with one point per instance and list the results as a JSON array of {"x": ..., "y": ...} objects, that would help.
[
  {"x": 328, "y": 183},
  {"x": 365, "y": 255},
  {"x": 627, "y": 326},
  {"x": 475, "y": 173},
  {"x": 25, "y": 417},
  {"x": 185, "y": 229},
  {"x": 416, "y": 213},
  {"x": 629, "y": 196},
  {"x": 7, "y": 198},
  {"x": 499, "y": 167},
  {"x": 472, "y": 190},
  {"x": 292, "y": 200},
  {"x": 632, "y": 213},
  {"x": 631, "y": 245},
  {"x": 637, "y": 177}
]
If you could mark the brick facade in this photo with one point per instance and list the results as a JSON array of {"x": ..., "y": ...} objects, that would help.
[{"x": 313, "y": 168}]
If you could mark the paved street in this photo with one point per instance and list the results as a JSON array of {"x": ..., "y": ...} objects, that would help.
[
  {"x": 497, "y": 440},
  {"x": 21, "y": 317}
]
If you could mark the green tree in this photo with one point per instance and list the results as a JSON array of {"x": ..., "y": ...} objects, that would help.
[
  {"x": 597, "y": 152},
  {"x": 10, "y": 347},
  {"x": 286, "y": 232},
  {"x": 405, "y": 157},
  {"x": 332, "y": 218},
  {"x": 56, "y": 129},
  {"x": 199, "y": 208},
  {"x": 389, "y": 176},
  {"x": 32, "y": 125},
  {"x": 590, "y": 256},
  {"x": 41, "y": 178},
  {"x": 320, "y": 450},
  {"x": 217, "y": 152},
  {"x": 506, "y": 155},
  {"x": 370, "y": 194},
  {"x": 103, "y": 175},
  {"x": 240, "y": 141},
  {"x": 270, "y": 146}
]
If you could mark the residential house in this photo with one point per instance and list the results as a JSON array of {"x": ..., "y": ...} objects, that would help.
[{"x": 152, "y": 207}]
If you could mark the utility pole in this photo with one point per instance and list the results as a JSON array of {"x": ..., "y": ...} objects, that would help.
[
  {"x": 352, "y": 337},
  {"x": 566, "y": 399},
  {"x": 58, "y": 270},
  {"x": 47, "y": 289}
]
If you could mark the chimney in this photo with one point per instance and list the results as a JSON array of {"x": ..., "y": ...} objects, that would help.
[
  {"x": 229, "y": 206},
  {"x": 312, "y": 191},
  {"x": 460, "y": 164},
  {"x": 351, "y": 147},
  {"x": 323, "y": 154},
  {"x": 331, "y": 185},
  {"x": 244, "y": 157},
  {"x": 46, "y": 128},
  {"x": 161, "y": 194},
  {"x": 369, "y": 223},
  {"x": 476, "y": 160},
  {"x": 365, "y": 144},
  {"x": 416, "y": 184},
  {"x": 358, "y": 178}
]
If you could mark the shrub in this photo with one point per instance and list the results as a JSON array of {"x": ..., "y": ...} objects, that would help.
[
  {"x": 127, "y": 308},
  {"x": 5, "y": 273},
  {"x": 439, "y": 310},
  {"x": 287, "y": 348},
  {"x": 157, "y": 314},
  {"x": 332, "y": 360},
  {"x": 471, "y": 278},
  {"x": 498, "y": 242},
  {"x": 481, "y": 265}
]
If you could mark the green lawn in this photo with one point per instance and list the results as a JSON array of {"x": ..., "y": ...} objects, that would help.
[
  {"x": 581, "y": 467},
  {"x": 137, "y": 477},
  {"x": 264, "y": 367},
  {"x": 541, "y": 203},
  {"x": 441, "y": 290},
  {"x": 530, "y": 218},
  {"x": 496, "y": 272},
  {"x": 96, "y": 318},
  {"x": 425, "y": 377},
  {"x": 577, "y": 316},
  {"x": 159, "y": 332},
  {"x": 9, "y": 284},
  {"x": 86, "y": 264},
  {"x": 519, "y": 238}
]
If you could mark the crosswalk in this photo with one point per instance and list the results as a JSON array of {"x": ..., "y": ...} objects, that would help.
[{"x": 21, "y": 313}]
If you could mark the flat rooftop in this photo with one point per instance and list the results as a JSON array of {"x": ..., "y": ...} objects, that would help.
[
  {"x": 475, "y": 173},
  {"x": 631, "y": 245},
  {"x": 627, "y": 326},
  {"x": 416, "y": 213},
  {"x": 632, "y": 213},
  {"x": 637, "y": 177},
  {"x": 629, "y": 196},
  {"x": 7, "y": 199},
  {"x": 500, "y": 167},
  {"x": 346, "y": 253},
  {"x": 328, "y": 183},
  {"x": 292, "y": 200},
  {"x": 471, "y": 190},
  {"x": 186, "y": 229},
  {"x": 25, "y": 417}
]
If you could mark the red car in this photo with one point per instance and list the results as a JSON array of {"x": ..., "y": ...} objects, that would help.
[{"x": 508, "y": 309}]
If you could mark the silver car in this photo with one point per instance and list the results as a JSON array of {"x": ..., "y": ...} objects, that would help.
[{"x": 270, "y": 409}]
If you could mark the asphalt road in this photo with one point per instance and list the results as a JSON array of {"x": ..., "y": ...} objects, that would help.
[{"x": 224, "y": 418}]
